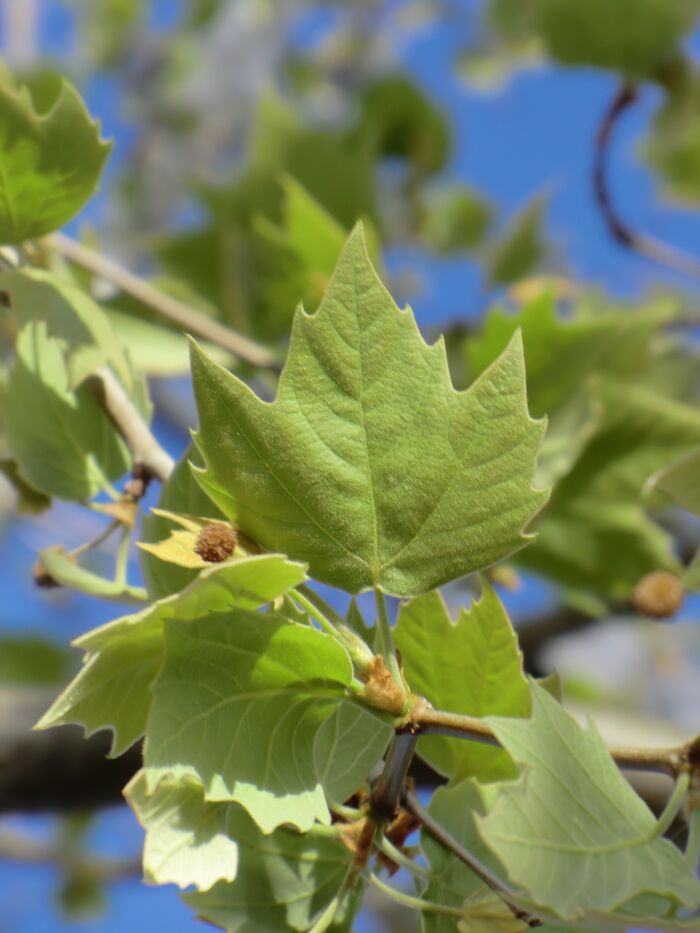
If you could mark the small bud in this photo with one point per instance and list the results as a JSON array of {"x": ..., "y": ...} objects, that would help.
[
  {"x": 216, "y": 543},
  {"x": 382, "y": 691},
  {"x": 658, "y": 594}
]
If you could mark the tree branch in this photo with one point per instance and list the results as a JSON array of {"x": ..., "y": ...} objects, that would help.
[
  {"x": 482, "y": 871},
  {"x": 145, "y": 449},
  {"x": 645, "y": 246},
  {"x": 672, "y": 761},
  {"x": 171, "y": 308}
]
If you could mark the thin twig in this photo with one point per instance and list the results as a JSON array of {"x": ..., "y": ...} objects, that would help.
[
  {"x": 646, "y": 246},
  {"x": 386, "y": 793},
  {"x": 144, "y": 448},
  {"x": 169, "y": 307},
  {"x": 482, "y": 871},
  {"x": 426, "y": 721}
]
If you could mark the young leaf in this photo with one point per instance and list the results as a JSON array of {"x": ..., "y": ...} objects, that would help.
[
  {"x": 285, "y": 880},
  {"x": 259, "y": 688},
  {"x": 473, "y": 667},
  {"x": 64, "y": 443},
  {"x": 113, "y": 689},
  {"x": 187, "y": 839},
  {"x": 50, "y": 163},
  {"x": 369, "y": 465},
  {"x": 572, "y": 815}
]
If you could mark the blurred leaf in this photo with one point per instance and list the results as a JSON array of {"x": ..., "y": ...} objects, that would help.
[
  {"x": 635, "y": 37},
  {"x": 472, "y": 666},
  {"x": 73, "y": 322},
  {"x": 455, "y": 218},
  {"x": 520, "y": 248},
  {"x": 50, "y": 163},
  {"x": 29, "y": 500},
  {"x": 64, "y": 443},
  {"x": 672, "y": 146},
  {"x": 399, "y": 120},
  {"x": 567, "y": 769},
  {"x": 33, "y": 660}
]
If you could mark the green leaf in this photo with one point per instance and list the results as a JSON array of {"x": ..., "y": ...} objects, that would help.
[
  {"x": 636, "y": 37},
  {"x": 681, "y": 481},
  {"x": 50, "y": 163},
  {"x": 472, "y": 667},
  {"x": 599, "y": 504},
  {"x": 113, "y": 689},
  {"x": 180, "y": 493},
  {"x": 246, "y": 671},
  {"x": 33, "y": 660},
  {"x": 347, "y": 747},
  {"x": 673, "y": 144},
  {"x": 29, "y": 500},
  {"x": 187, "y": 839},
  {"x": 341, "y": 471},
  {"x": 453, "y": 882},
  {"x": 285, "y": 880},
  {"x": 520, "y": 248},
  {"x": 64, "y": 443},
  {"x": 572, "y": 815},
  {"x": 455, "y": 218}
]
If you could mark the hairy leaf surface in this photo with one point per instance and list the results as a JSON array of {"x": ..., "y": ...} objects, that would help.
[
  {"x": 113, "y": 689},
  {"x": 369, "y": 465}
]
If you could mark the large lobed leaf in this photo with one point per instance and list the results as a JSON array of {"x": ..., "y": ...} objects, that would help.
[
  {"x": 471, "y": 666},
  {"x": 571, "y": 832},
  {"x": 113, "y": 689},
  {"x": 369, "y": 465},
  {"x": 50, "y": 163},
  {"x": 240, "y": 706}
]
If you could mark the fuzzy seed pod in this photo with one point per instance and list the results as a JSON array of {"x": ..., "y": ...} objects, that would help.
[
  {"x": 658, "y": 594},
  {"x": 216, "y": 543}
]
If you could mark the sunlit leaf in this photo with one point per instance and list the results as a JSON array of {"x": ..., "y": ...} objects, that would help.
[{"x": 341, "y": 471}]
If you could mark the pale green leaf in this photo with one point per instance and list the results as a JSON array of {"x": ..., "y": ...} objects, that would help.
[
  {"x": 50, "y": 163},
  {"x": 30, "y": 660},
  {"x": 73, "y": 321},
  {"x": 572, "y": 815},
  {"x": 369, "y": 465},
  {"x": 285, "y": 880},
  {"x": 472, "y": 666},
  {"x": 259, "y": 688},
  {"x": 346, "y": 749},
  {"x": 113, "y": 689},
  {"x": 187, "y": 838},
  {"x": 520, "y": 248},
  {"x": 63, "y": 441},
  {"x": 452, "y": 882},
  {"x": 455, "y": 218}
]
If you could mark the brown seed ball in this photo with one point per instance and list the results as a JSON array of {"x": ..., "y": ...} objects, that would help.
[
  {"x": 658, "y": 594},
  {"x": 216, "y": 543}
]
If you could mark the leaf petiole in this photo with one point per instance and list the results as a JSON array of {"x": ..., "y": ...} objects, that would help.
[
  {"x": 384, "y": 642},
  {"x": 675, "y": 801},
  {"x": 415, "y": 903}
]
